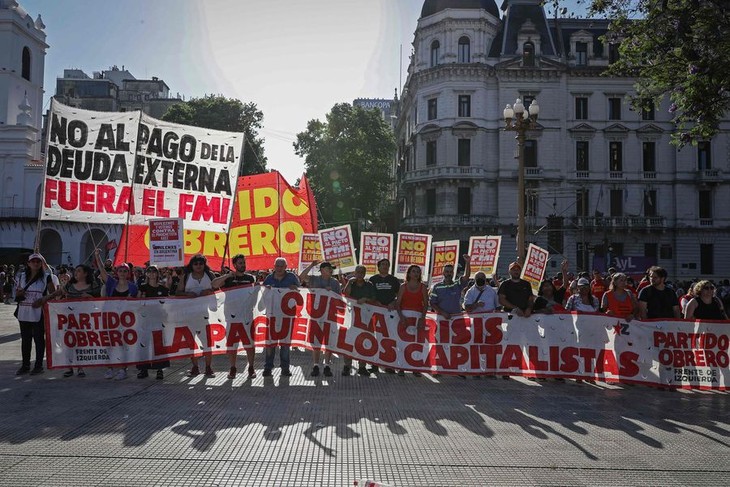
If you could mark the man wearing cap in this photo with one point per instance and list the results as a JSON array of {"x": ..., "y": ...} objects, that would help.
[
  {"x": 323, "y": 281},
  {"x": 238, "y": 277},
  {"x": 282, "y": 279},
  {"x": 515, "y": 294}
]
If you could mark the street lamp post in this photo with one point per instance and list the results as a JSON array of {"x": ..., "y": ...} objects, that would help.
[{"x": 516, "y": 120}]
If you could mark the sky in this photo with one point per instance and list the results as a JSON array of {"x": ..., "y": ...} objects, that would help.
[{"x": 294, "y": 58}]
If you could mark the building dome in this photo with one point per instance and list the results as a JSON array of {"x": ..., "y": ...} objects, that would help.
[{"x": 431, "y": 7}]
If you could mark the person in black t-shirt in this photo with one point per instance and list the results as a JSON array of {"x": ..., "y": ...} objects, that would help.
[
  {"x": 656, "y": 300},
  {"x": 152, "y": 288},
  {"x": 386, "y": 285},
  {"x": 515, "y": 294},
  {"x": 238, "y": 277}
]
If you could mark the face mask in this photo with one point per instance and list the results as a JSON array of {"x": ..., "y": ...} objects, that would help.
[{"x": 481, "y": 282}]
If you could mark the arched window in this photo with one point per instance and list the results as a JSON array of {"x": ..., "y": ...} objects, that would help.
[
  {"x": 435, "y": 53},
  {"x": 464, "y": 50},
  {"x": 528, "y": 54},
  {"x": 25, "y": 67}
]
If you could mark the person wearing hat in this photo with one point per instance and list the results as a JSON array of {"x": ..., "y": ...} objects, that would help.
[
  {"x": 35, "y": 286},
  {"x": 515, "y": 293},
  {"x": 583, "y": 301},
  {"x": 237, "y": 277},
  {"x": 323, "y": 281},
  {"x": 197, "y": 281}
]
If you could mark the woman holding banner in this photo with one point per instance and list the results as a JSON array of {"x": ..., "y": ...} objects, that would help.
[
  {"x": 413, "y": 296},
  {"x": 121, "y": 287},
  {"x": 83, "y": 285},
  {"x": 152, "y": 288},
  {"x": 619, "y": 301}
]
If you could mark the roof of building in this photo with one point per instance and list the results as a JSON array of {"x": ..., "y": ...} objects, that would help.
[{"x": 431, "y": 7}]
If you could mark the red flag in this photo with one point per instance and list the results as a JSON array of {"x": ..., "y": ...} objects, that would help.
[{"x": 111, "y": 245}]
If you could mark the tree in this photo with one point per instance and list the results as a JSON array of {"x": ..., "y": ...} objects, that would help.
[
  {"x": 348, "y": 159},
  {"x": 228, "y": 114},
  {"x": 679, "y": 48}
]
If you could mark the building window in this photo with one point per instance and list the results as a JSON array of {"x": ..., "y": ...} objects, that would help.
[
  {"x": 707, "y": 259},
  {"x": 555, "y": 234},
  {"x": 704, "y": 157},
  {"x": 464, "y": 152},
  {"x": 25, "y": 64},
  {"x": 528, "y": 54},
  {"x": 705, "y": 202},
  {"x": 464, "y": 50},
  {"x": 464, "y": 201},
  {"x": 650, "y": 203},
  {"x": 648, "y": 157},
  {"x": 431, "y": 153},
  {"x": 581, "y": 108},
  {"x": 665, "y": 252},
  {"x": 465, "y": 105},
  {"x": 615, "y": 157},
  {"x": 613, "y": 53},
  {"x": 435, "y": 53},
  {"x": 430, "y": 202},
  {"x": 581, "y": 254},
  {"x": 651, "y": 250},
  {"x": 530, "y": 153},
  {"x": 581, "y": 155},
  {"x": 432, "y": 108},
  {"x": 614, "y": 108},
  {"x": 581, "y": 202},
  {"x": 617, "y": 202},
  {"x": 647, "y": 111},
  {"x": 581, "y": 53}
]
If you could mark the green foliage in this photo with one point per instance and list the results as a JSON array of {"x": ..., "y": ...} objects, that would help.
[
  {"x": 349, "y": 159},
  {"x": 228, "y": 114},
  {"x": 676, "y": 48}
]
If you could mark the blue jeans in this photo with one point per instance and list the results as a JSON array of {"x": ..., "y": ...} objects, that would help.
[{"x": 283, "y": 357}]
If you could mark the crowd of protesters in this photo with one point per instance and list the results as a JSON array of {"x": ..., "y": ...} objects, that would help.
[{"x": 614, "y": 293}]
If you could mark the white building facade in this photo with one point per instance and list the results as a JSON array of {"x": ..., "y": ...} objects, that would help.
[
  {"x": 603, "y": 181},
  {"x": 22, "y": 58}
]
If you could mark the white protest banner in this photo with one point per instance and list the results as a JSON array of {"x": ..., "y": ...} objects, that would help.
[
  {"x": 89, "y": 165},
  {"x": 186, "y": 172},
  {"x": 413, "y": 249},
  {"x": 484, "y": 252},
  {"x": 338, "y": 248},
  {"x": 167, "y": 242},
  {"x": 535, "y": 264},
  {"x": 443, "y": 254},
  {"x": 119, "y": 331},
  {"x": 373, "y": 248},
  {"x": 310, "y": 250}
]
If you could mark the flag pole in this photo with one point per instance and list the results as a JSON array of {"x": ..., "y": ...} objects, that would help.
[
  {"x": 130, "y": 203},
  {"x": 233, "y": 203},
  {"x": 41, "y": 203}
]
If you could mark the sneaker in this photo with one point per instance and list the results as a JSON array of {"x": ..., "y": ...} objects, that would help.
[
  {"x": 142, "y": 374},
  {"x": 315, "y": 371},
  {"x": 232, "y": 373},
  {"x": 401, "y": 373},
  {"x": 251, "y": 372},
  {"x": 267, "y": 373},
  {"x": 160, "y": 375},
  {"x": 23, "y": 370},
  {"x": 388, "y": 370},
  {"x": 121, "y": 375},
  {"x": 374, "y": 370},
  {"x": 109, "y": 374},
  {"x": 327, "y": 371},
  {"x": 346, "y": 370},
  {"x": 194, "y": 371},
  {"x": 362, "y": 370},
  {"x": 80, "y": 374},
  {"x": 69, "y": 373},
  {"x": 209, "y": 372},
  {"x": 285, "y": 373},
  {"x": 36, "y": 371}
]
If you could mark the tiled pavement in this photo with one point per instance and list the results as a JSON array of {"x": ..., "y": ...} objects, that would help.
[{"x": 300, "y": 431}]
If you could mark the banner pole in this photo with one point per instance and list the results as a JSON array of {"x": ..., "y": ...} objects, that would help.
[
  {"x": 278, "y": 211},
  {"x": 41, "y": 203},
  {"x": 130, "y": 203}
]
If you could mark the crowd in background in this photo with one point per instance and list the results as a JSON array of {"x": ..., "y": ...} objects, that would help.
[{"x": 614, "y": 293}]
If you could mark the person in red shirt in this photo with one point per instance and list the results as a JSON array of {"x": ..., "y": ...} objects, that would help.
[
  {"x": 619, "y": 301},
  {"x": 598, "y": 285}
]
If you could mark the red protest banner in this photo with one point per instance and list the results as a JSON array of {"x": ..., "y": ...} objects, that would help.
[
  {"x": 484, "y": 253},
  {"x": 535, "y": 265},
  {"x": 338, "y": 247},
  {"x": 269, "y": 218}
]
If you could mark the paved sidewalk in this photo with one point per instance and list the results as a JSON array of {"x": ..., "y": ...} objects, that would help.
[{"x": 89, "y": 431}]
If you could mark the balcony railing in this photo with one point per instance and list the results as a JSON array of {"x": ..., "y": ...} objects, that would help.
[
  {"x": 19, "y": 213},
  {"x": 616, "y": 174},
  {"x": 582, "y": 174},
  {"x": 449, "y": 221},
  {"x": 620, "y": 222},
  {"x": 706, "y": 222},
  {"x": 533, "y": 172},
  {"x": 444, "y": 172},
  {"x": 709, "y": 175},
  {"x": 649, "y": 174}
]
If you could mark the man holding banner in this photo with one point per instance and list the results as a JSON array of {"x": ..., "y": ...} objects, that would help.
[
  {"x": 445, "y": 298},
  {"x": 280, "y": 278},
  {"x": 515, "y": 294}
]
